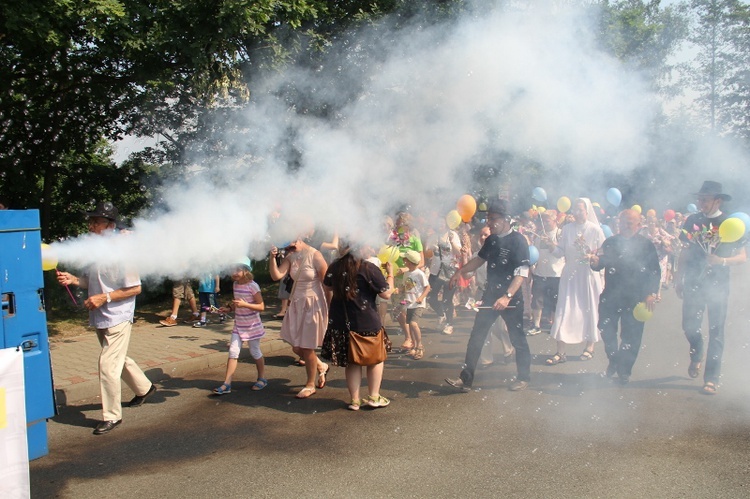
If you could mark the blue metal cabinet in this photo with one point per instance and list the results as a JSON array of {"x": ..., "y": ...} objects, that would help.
[{"x": 24, "y": 319}]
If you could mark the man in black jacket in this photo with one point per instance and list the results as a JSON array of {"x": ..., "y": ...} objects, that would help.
[{"x": 632, "y": 276}]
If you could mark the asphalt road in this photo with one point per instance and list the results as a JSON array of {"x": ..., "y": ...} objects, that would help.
[{"x": 571, "y": 434}]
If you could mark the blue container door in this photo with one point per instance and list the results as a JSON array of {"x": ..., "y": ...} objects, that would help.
[{"x": 24, "y": 319}]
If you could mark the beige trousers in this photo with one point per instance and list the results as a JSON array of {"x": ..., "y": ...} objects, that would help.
[{"x": 114, "y": 364}]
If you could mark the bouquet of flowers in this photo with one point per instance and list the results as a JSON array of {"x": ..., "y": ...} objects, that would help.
[
  {"x": 399, "y": 237},
  {"x": 706, "y": 237}
]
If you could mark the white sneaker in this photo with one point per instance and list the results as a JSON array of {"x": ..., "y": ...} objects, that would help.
[{"x": 448, "y": 329}]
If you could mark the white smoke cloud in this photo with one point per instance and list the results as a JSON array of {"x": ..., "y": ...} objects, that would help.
[{"x": 532, "y": 84}]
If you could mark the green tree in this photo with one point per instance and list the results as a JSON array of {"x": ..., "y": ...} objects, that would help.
[
  {"x": 75, "y": 71},
  {"x": 643, "y": 35},
  {"x": 719, "y": 71}
]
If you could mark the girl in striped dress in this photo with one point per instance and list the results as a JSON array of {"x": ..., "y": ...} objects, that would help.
[{"x": 247, "y": 305}]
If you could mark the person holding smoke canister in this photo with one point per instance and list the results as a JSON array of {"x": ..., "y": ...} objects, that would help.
[
  {"x": 506, "y": 253},
  {"x": 111, "y": 303},
  {"x": 702, "y": 281},
  {"x": 354, "y": 284},
  {"x": 306, "y": 319},
  {"x": 632, "y": 275}
]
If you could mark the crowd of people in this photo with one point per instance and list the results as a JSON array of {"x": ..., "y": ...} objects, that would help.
[{"x": 585, "y": 276}]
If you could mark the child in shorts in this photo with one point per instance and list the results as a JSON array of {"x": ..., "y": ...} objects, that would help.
[{"x": 416, "y": 287}]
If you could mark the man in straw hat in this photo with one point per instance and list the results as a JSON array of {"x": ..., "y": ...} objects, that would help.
[{"x": 702, "y": 281}]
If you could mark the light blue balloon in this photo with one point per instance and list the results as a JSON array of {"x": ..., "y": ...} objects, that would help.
[
  {"x": 533, "y": 255},
  {"x": 742, "y": 216},
  {"x": 691, "y": 208},
  {"x": 607, "y": 230},
  {"x": 614, "y": 196},
  {"x": 539, "y": 194}
]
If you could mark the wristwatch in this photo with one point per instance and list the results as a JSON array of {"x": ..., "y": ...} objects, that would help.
[
  {"x": 509, "y": 294},
  {"x": 109, "y": 298}
]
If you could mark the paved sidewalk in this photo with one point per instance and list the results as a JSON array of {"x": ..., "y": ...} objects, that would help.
[{"x": 162, "y": 352}]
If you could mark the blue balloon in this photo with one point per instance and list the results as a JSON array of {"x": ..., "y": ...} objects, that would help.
[
  {"x": 539, "y": 194},
  {"x": 614, "y": 196},
  {"x": 533, "y": 255},
  {"x": 691, "y": 208},
  {"x": 742, "y": 216},
  {"x": 607, "y": 230}
]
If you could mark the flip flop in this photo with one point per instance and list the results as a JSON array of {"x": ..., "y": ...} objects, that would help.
[
  {"x": 305, "y": 392},
  {"x": 587, "y": 355},
  {"x": 260, "y": 384},
  {"x": 322, "y": 377}
]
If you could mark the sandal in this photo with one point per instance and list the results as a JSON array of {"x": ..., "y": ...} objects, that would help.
[
  {"x": 299, "y": 362},
  {"x": 587, "y": 355},
  {"x": 354, "y": 405},
  {"x": 709, "y": 388},
  {"x": 322, "y": 377},
  {"x": 407, "y": 348},
  {"x": 305, "y": 392},
  {"x": 694, "y": 369},
  {"x": 224, "y": 388},
  {"x": 558, "y": 358},
  {"x": 418, "y": 353},
  {"x": 260, "y": 384},
  {"x": 377, "y": 402}
]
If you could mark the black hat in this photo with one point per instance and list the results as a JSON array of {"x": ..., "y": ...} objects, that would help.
[
  {"x": 104, "y": 209},
  {"x": 498, "y": 207},
  {"x": 711, "y": 188}
]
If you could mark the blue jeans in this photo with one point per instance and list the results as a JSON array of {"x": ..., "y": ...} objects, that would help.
[
  {"x": 445, "y": 306},
  {"x": 513, "y": 318},
  {"x": 696, "y": 299}
]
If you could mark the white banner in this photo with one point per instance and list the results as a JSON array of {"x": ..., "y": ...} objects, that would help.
[{"x": 14, "y": 452}]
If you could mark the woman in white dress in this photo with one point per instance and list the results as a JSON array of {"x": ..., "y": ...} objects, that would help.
[{"x": 577, "y": 312}]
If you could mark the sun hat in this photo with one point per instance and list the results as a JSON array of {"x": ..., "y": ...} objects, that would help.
[
  {"x": 711, "y": 188},
  {"x": 413, "y": 257},
  {"x": 104, "y": 209}
]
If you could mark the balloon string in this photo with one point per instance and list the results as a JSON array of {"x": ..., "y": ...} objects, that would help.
[{"x": 68, "y": 288}]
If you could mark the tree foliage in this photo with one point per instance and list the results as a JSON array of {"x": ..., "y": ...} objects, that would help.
[{"x": 720, "y": 71}]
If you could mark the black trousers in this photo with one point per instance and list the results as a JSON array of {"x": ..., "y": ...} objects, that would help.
[
  {"x": 614, "y": 312},
  {"x": 513, "y": 318}
]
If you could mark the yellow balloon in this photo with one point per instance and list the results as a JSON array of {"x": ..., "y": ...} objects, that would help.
[
  {"x": 731, "y": 230},
  {"x": 541, "y": 209},
  {"x": 563, "y": 204},
  {"x": 636, "y": 208},
  {"x": 482, "y": 207},
  {"x": 466, "y": 207},
  {"x": 49, "y": 258},
  {"x": 453, "y": 219},
  {"x": 388, "y": 254},
  {"x": 641, "y": 312}
]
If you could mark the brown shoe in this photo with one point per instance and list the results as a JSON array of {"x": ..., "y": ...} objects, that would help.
[{"x": 168, "y": 322}]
